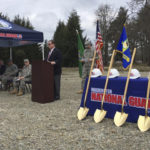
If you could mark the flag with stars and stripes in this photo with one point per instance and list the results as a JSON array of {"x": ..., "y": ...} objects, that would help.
[{"x": 99, "y": 45}]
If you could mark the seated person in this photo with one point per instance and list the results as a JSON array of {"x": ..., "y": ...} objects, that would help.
[
  {"x": 24, "y": 76},
  {"x": 2, "y": 67},
  {"x": 9, "y": 74}
]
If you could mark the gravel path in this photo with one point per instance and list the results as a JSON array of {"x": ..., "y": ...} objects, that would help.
[{"x": 27, "y": 125}]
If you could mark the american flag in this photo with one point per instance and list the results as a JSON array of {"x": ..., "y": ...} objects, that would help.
[{"x": 99, "y": 45}]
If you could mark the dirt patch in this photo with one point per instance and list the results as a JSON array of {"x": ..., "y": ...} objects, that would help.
[{"x": 27, "y": 125}]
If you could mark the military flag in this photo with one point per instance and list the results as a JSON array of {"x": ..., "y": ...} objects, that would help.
[
  {"x": 123, "y": 47},
  {"x": 80, "y": 53}
]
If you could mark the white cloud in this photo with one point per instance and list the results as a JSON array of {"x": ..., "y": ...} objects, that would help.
[{"x": 45, "y": 14}]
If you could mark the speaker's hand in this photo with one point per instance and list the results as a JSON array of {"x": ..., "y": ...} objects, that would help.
[{"x": 53, "y": 62}]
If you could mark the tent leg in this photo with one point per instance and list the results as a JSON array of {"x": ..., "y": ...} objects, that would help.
[
  {"x": 43, "y": 51},
  {"x": 11, "y": 53}
]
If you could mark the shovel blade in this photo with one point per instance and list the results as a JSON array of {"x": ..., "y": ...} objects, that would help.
[
  {"x": 82, "y": 113},
  {"x": 120, "y": 118},
  {"x": 99, "y": 115},
  {"x": 143, "y": 123}
]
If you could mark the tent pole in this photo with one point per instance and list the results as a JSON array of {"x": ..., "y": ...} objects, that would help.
[
  {"x": 11, "y": 53},
  {"x": 43, "y": 51}
]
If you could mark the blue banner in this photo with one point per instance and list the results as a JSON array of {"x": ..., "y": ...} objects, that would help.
[{"x": 134, "y": 103}]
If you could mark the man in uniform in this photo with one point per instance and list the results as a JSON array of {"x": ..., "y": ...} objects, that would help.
[
  {"x": 24, "y": 76},
  {"x": 10, "y": 73},
  {"x": 86, "y": 60}
]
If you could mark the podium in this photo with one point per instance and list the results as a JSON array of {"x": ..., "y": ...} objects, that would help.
[{"x": 42, "y": 82}]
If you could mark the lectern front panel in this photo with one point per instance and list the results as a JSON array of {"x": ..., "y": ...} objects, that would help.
[{"x": 42, "y": 82}]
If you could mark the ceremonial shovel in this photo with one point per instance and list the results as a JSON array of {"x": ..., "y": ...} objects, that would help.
[
  {"x": 144, "y": 121},
  {"x": 120, "y": 117},
  {"x": 82, "y": 112},
  {"x": 100, "y": 114}
]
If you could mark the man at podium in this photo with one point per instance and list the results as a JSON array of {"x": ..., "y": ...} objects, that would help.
[{"x": 55, "y": 58}]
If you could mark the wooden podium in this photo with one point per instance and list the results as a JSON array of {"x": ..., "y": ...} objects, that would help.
[{"x": 42, "y": 82}]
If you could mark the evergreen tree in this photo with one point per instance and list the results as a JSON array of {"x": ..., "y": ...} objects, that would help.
[
  {"x": 105, "y": 19},
  {"x": 65, "y": 38},
  {"x": 144, "y": 32},
  {"x": 3, "y": 16},
  {"x": 60, "y": 39},
  {"x": 46, "y": 49},
  {"x": 32, "y": 52},
  {"x": 71, "y": 59},
  {"x": 116, "y": 27},
  {"x": 23, "y": 22},
  {"x": 115, "y": 30}
]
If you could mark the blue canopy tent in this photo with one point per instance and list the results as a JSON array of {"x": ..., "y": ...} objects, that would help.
[{"x": 12, "y": 35}]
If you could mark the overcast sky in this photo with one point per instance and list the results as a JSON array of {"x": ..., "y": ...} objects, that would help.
[{"x": 45, "y": 14}]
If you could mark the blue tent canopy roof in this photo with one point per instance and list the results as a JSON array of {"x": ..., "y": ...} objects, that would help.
[{"x": 12, "y": 35}]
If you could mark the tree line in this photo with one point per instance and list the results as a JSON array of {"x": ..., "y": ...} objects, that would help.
[
  {"x": 65, "y": 38},
  {"x": 135, "y": 17},
  {"x": 136, "y": 20}
]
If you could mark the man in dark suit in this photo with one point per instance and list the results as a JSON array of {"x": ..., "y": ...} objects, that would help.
[{"x": 55, "y": 58}]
